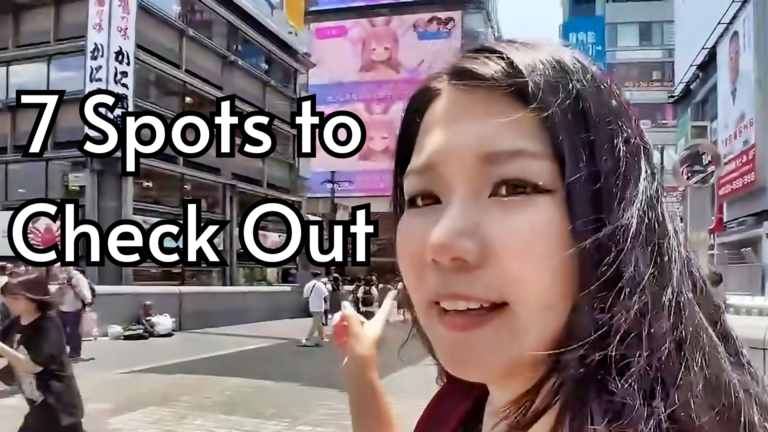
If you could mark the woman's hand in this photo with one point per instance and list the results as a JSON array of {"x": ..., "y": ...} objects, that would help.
[{"x": 358, "y": 338}]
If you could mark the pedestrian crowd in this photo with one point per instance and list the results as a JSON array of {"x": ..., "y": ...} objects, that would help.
[{"x": 365, "y": 294}]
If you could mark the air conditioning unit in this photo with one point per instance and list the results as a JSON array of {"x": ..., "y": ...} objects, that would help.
[{"x": 699, "y": 131}]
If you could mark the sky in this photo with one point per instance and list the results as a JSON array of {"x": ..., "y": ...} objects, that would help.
[{"x": 526, "y": 19}]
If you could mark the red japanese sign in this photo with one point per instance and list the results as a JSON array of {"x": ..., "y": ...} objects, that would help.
[{"x": 738, "y": 174}]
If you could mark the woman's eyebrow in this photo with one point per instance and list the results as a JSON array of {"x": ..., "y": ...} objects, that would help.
[
  {"x": 495, "y": 157},
  {"x": 492, "y": 157}
]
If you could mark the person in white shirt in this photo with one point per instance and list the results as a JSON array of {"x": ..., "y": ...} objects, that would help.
[
  {"x": 315, "y": 292},
  {"x": 72, "y": 296}
]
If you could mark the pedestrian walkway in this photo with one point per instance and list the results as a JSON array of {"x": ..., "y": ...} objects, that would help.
[{"x": 243, "y": 378}]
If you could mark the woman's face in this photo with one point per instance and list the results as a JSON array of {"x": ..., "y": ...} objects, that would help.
[
  {"x": 486, "y": 224},
  {"x": 19, "y": 305},
  {"x": 380, "y": 51}
]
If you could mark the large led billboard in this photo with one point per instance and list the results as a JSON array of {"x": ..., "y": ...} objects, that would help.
[
  {"x": 371, "y": 67},
  {"x": 313, "y": 5},
  {"x": 736, "y": 106}
]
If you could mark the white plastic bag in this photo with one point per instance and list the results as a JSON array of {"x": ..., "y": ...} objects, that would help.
[
  {"x": 115, "y": 332},
  {"x": 163, "y": 324}
]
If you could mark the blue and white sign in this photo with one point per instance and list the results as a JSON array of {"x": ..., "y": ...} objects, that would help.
[{"x": 587, "y": 34}]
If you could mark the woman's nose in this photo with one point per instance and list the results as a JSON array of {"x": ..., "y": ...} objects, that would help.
[{"x": 457, "y": 241}]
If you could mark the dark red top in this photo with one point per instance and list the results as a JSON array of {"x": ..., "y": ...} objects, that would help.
[{"x": 457, "y": 407}]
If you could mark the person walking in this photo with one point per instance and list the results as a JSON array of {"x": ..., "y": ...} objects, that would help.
[
  {"x": 368, "y": 296},
  {"x": 315, "y": 292},
  {"x": 73, "y": 296},
  {"x": 34, "y": 345},
  {"x": 5, "y": 312}
]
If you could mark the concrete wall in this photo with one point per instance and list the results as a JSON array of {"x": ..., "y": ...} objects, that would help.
[{"x": 200, "y": 307}]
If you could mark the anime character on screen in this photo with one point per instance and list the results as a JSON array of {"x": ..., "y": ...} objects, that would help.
[
  {"x": 381, "y": 123},
  {"x": 380, "y": 55},
  {"x": 434, "y": 28}
]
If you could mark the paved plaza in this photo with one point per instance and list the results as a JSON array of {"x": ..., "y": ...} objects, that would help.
[{"x": 235, "y": 379}]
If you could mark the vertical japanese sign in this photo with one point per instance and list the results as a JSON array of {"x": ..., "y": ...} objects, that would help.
[
  {"x": 122, "y": 45},
  {"x": 97, "y": 58},
  {"x": 587, "y": 34}
]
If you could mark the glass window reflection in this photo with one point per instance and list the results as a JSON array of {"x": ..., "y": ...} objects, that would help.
[
  {"x": 34, "y": 26},
  {"x": 197, "y": 101},
  {"x": 67, "y": 179},
  {"x": 157, "y": 276},
  {"x": 210, "y": 194},
  {"x": 172, "y": 8},
  {"x": 204, "y": 21},
  {"x": 157, "y": 187},
  {"x": 67, "y": 73},
  {"x": 3, "y": 82},
  {"x": 245, "y": 200},
  {"x": 26, "y": 181},
  {"x": 202, "y": 276},
  {"x": 155, "y": 87},
  {"x": 27, "y": 76},
  {"x": 72, "y": 20}
]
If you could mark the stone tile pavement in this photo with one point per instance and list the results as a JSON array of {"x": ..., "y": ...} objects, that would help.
[{"x": 238, "y": 379}]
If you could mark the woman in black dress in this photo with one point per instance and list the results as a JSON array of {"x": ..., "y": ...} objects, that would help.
[{"x": 33, "y": 342}]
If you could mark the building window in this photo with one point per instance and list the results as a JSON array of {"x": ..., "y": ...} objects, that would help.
[
  {"x": 68, "y": 130},
  {"x": 72, "y": 20},
  {"x": 245, "y": 200},
  {"x": 3, "y": 82},
  {"x": 244, "y": 85},
  {"x": 203, "y": 62},
  {"x": 278, "y": 103},
  {"x": 281, "y": 73},
  {"x": 210, "y": 194},
  {"x": 26, "y": 181},
  {"x": 158, "y": 37},
  {"x": 172, "y": 8},
  {"x": 5, "y": 31},
  {"x": 284, "y": 143},
  {"x": 158, "y": 88},
  {"x": 197, "y": 101},
  {"x": 655, "y": 115},
  {"x": 27, "y": 76},
  {"x": 5, "y": 131},
  {"x": 157, "y": 187},
  {"x": 34, "y": 26},
  {"x": 67, "y": 179},
  {"x": 24, "y": 121},
  {"x": 258, "y": 58},
  {"x": 651, "y": 33},
  {"x": 279, "y": 175},
  {"x": 642, "y": 75},
  {"x": 204, "y": 21},
  {"x": 67, "y": 73}
]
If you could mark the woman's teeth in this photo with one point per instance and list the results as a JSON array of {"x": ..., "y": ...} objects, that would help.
[{"x": 463, "y": 305}]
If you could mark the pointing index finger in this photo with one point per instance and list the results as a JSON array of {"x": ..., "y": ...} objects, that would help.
[{"x": 380, "y": 319}]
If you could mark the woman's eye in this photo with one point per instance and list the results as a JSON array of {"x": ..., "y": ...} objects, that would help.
[
  {"x": 423, "y": 200},
  {"x": 512, "y": 188}
]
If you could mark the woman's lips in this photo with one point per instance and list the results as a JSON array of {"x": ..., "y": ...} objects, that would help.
[{"x": 468, "y": 315}]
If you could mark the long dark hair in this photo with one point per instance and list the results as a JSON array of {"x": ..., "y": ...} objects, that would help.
[{"x": 646, "y": 347}]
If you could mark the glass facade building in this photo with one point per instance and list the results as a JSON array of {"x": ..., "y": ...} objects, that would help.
[{"x": 188, "y": 52}]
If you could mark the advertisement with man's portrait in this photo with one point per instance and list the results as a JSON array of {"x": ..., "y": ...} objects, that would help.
[{"x": 736, "y": 104}]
